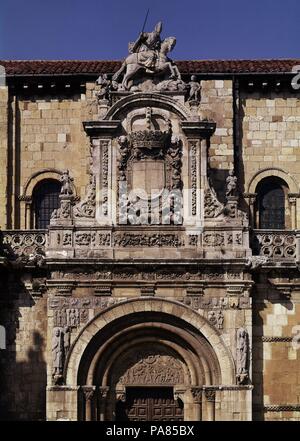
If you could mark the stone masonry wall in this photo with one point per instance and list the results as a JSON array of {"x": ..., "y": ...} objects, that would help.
[
  {"x": 23, "y": 364},
  {"x": 270, "y": 134},
  {"x": 276, "y": 357},
  {"x": 50, "y": 135},
  {"x": 217, "y": 104}
]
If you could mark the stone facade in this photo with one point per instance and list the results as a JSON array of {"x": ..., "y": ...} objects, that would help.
[{"x": 115, "y": 297}]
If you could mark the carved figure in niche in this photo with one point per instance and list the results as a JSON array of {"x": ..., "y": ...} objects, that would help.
[
  {"x": 231, "y": 184},
  {"x": 220, "y": 320},
  {"x": 57, "y": 352},
  {"x": 195, "y": 89},
  {"x": 67, "y": 187},
  {"x": 242, "y": 348},
  {"x": 73, "y": 318}
]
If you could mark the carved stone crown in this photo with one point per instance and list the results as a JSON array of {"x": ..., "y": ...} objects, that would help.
[{"x": 150, "y": 139}]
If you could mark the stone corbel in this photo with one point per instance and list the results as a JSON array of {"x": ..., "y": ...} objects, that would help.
[
  {"x": 102, "y": 290},
  {"x": 65, "y": 289},
  {"x": 148, "y": 290}
]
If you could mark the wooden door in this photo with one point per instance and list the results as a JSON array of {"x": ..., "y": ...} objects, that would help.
[{"x": 150, "y": 404}]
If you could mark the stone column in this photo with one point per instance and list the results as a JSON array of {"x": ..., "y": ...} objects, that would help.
[
  {"x": 197, "y": 134},
  {"x": 209, "y": 404},
  {"x": 102, "y": 134},
  {"x": 197, "y": 398},
  {"x": 89, "y": 394},
  {"x": 101, "y": 404},
  {"x": 251, "y": 198},
  {"x": 293, "y": 204}
]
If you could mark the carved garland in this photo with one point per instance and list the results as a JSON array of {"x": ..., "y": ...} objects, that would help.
[
  {"x": 104, "y": 145},
  {"x": 194, "y": 177}
]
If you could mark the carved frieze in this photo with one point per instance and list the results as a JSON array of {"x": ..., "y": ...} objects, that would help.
[
  {"x": 147, "y": 240},
  {"x": 84, "y": 303}
]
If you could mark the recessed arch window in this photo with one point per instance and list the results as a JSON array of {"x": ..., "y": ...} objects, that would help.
[
  {"x": 45, "y": 201},
  {"x": 271, "y": 203}
]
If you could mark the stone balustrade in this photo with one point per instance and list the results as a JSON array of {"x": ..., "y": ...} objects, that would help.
[
  {"x": 275, "y": 244},
  {"x": 24, "y": 243}
]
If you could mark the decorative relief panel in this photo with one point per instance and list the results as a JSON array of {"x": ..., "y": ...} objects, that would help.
[
  {"x": 147, "y": 240},
  {"x": 151, "y": 368},
  {"x": 193, "y": 171},
  {"x": 104, "y": 145}
]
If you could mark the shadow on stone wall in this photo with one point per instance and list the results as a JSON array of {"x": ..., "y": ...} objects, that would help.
[
  {"x": 264, "y": 290},
  {"x": 22, "y": 365}
]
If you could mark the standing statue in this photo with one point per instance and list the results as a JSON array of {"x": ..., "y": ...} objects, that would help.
[
  {"x": 242, "y": 348},
  {"x": 67, "y": 187},
  {"x": 105, "y": 87},
  {"x": 148, "y": 53},
  {"x": 231, "y": 184},
  {"x": 195, "y": 89},
  {"x": 57, "y": 352}
]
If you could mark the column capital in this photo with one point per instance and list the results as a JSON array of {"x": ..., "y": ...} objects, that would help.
[
  {"x": 197, "y": 394},
  {"x": 89, "y": 392}
]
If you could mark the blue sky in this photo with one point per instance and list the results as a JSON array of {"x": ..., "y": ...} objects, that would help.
[{"x": 98, "y": 29}]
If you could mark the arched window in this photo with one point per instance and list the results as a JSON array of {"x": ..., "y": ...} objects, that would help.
[
  {"x": 45, "y": 201},
  {"x": 271, "y": 203}
]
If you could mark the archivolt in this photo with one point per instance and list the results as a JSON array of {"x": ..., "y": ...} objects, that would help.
[{"x": 169, "y": 323}]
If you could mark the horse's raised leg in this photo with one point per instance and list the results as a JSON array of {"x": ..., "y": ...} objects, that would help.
[
  {"x": 118, "y": 73},
  {"x": 173, "y": 73},
  {"x": 178, "y": 74},
  {"x": 132, "y": 69}
]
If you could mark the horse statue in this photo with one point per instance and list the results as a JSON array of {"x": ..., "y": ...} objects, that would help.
[{"x": 151, "y": 61}]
